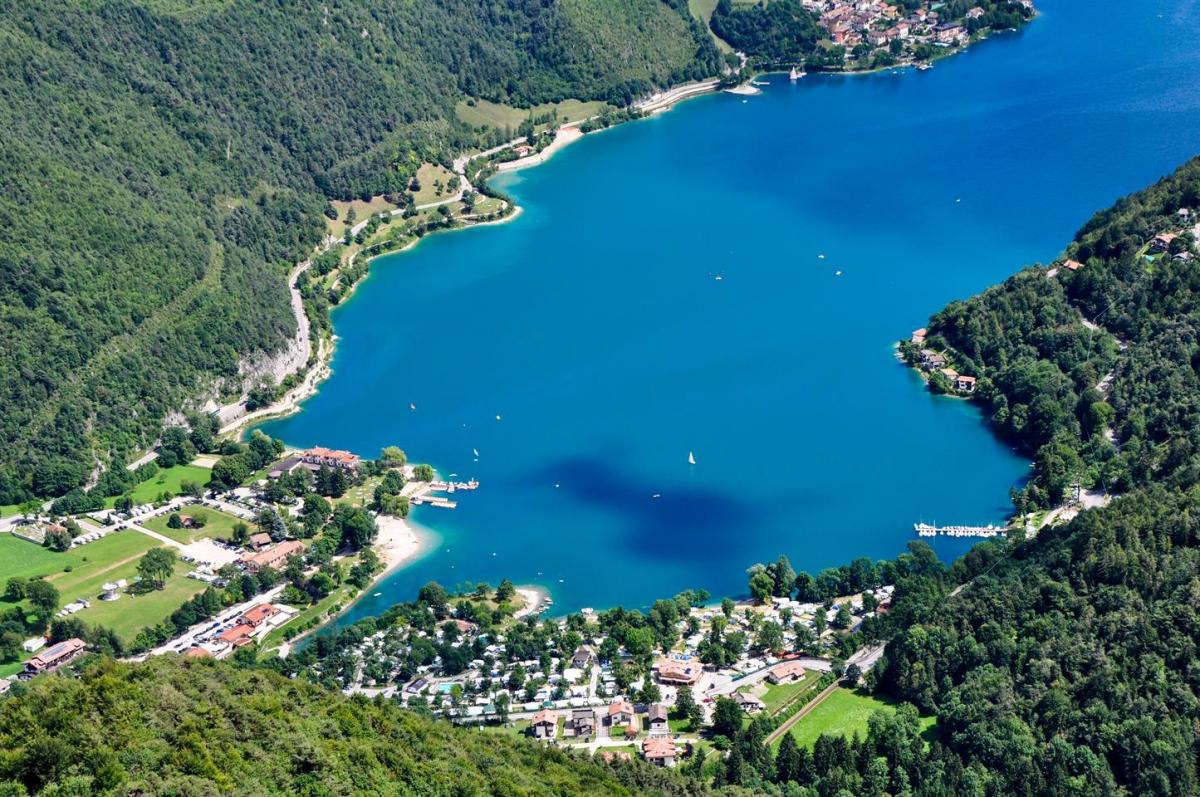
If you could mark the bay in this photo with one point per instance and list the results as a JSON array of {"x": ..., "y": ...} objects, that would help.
[{"x": 595, "y": 327}]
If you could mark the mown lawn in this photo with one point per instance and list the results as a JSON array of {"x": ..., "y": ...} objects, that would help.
[
  {"x": 779, "y": 695},
  {"x": 20, "y": 557},
  {"x": 166, "y": 481},
  {"x": 845, "y": 713},
  {"x": 110, "y": 558},
  {"x": 218, "y": 525}
]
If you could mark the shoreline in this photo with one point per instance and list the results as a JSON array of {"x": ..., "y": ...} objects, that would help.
[{"x": 404, "y": 541}]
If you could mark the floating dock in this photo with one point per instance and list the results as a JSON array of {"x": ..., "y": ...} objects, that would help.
[{"x": 927, "y": 530}]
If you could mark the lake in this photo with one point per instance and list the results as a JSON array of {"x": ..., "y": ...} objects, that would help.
[{"x": 586, "y": 348}]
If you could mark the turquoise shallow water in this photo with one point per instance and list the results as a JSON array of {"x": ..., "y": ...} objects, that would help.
[{"x": 595, "y": 327}]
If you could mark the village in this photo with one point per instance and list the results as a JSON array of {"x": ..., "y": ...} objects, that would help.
[
  {"x": 869, "y": 29},
  {"x": 571, "y": 683},
  {"x": 250, "y": 543}
]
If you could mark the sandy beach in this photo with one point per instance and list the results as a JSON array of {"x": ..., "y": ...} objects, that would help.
[
  {"x": 399, "y": 542},
  {"x": 535, "y": 598},
  {"x": 562, "y": 137}
]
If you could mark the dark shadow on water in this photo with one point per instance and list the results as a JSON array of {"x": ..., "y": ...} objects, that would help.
[{"x": 686, "y": 522}]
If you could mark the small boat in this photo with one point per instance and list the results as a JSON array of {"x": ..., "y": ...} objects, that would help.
[
  {"x": 656, "y": 496},
  {"x": 796, "y": 73},
  {"x": 820, "y": 257},
  {"x": 377, "y": 594},
  {"x": 718, "y": 278},
  {"x": 412, "y": 406},
  {"x": 691, "y": 458},
  {"x": 924, "y": 67},
  {"x": 497, "y": 417},
  {"x": 837, "y": 273},
  {"x": 475, "y": 451}
]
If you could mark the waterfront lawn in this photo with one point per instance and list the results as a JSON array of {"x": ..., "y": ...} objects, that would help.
[
  {"x": 844, "y": 713},
  {"x": 219, "y": 525},
  {"x": 167, "y": 480},
  {"x": 20, "y": 557}
]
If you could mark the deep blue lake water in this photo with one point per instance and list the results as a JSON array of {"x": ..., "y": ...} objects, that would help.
[{"x": 595, "y": 327}]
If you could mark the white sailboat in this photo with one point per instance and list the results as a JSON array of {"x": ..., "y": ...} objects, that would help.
[{"x": 691, "y": 458}]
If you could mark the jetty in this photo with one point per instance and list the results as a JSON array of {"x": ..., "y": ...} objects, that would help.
[{"x": 928, "y": 530}]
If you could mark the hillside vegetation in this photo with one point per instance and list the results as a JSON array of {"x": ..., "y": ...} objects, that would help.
[
  {"x": 207, "y": 728},
  {"x": 164, "y": 163}
]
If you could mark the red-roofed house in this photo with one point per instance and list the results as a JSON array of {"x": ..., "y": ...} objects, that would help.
[
  {"x": 331, "y": 458},
  {"x": 1162, "y": 241},
  {"x": 273, "y": 557},
  {"x": 54, "y": 657},
  {"x": 964, "y": 384},
  {"x": 237, "y": 636},
  {"x": 673, "y": 671},
  {"x": 660, "y": 751},
  {"x": 1072, "y": 265},
  {"x": 259, "y": 615},
  {"x": 787, "y": 672}
]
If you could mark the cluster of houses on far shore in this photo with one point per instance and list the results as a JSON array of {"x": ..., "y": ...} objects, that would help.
[{"x": 931, "y": 361}]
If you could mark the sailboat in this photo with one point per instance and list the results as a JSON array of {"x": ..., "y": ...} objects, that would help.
[
  {"x": 796, "y": 73},
  {"x": 475, "y": 451},
  {"x": 691, "y": 458}
]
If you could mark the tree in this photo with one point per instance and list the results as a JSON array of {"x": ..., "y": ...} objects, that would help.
[
  {"x": 687, "y": 708},
  {"x": 393, "y": 457},
  {"x": 435, "y": 596},
  {"x": 16, "y": 589},
  {"x": 505, "y": 591},
  {"x": 423, "y": 473},
  {"x": 761, "y": 586},
  {"x": 501, "y": 704},
  {"x": 44, "y": 598},
  {"x": 727, "y": 718},
  {"x": 156, "y": 566}
]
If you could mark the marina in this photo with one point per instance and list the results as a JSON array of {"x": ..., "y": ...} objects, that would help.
[{"x": 929, "y": 530}]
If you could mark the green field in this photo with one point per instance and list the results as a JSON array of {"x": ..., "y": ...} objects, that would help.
[
  {"x": 23, "y": 558},
  {"x": 219, "y": 526},
  {"x": 110, "y": 558},
  {"x": 844, "y": 713},
  {"x": 485, "y": 113},
  {"x": 780, "y": 695},
  {"x": 166, "y": 480},
  {"x": 703, "y": 11}
]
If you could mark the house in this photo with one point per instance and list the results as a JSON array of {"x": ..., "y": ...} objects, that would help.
[
  {"x": 1072, "y": 265},
  {"x": 583, "y": 722},
  {"x": 948, "y": 33},
  {"x": 197, "y": 653},
  {"x": 975, "y": 13},
  {"x": 330, "y": 458},
  {"x": 787, "y": 672},
  {"x": 584, "y": 656},
  {"x": 658, "y": 719},
  {"x": 949, "y": 373},
  {"x": 621, "y": 713},
  {"x": 258, "y": 615},
  {"x": 918, "y": 336},
  {"x": 187, "y": 521},
  {"x": 237, "y": 636},
  {"x": 54, "y": 657},
  {"x": 259, "y": 541},
  {"x": 931, "y": 359},
  {"x": 284, "y": 466},
  {"x": 683, "y": 673},
  {"x": 748, "y": 702},
  {"x": 965, "y": 384},
  {"x": 544, "y": 724},
  {"x": 1162, "y": 241},
  {"x": 660, "y": 751},
  {"x": 272, "y": 557}
]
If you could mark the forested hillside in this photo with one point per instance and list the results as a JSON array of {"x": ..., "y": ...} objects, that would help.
[
  {"x": 1091, "y": 365},
  {"x": 166, "y": 727},
  {"x": 164, "y": 163}
]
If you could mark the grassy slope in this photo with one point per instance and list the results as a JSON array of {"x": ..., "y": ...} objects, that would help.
[
  {"x": 844, "y": 713},
  {"x": 168, "y": 481}
]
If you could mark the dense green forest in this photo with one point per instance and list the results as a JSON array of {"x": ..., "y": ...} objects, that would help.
[
  {"x": 778, "y": 31},
  {"x": 1093, "y": 369},
  {"x": 164, "y": 163},
  {"x": 207, "y": 728}
]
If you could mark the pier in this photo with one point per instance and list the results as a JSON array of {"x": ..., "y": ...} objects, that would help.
[{"x": 927, "y": 530}]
